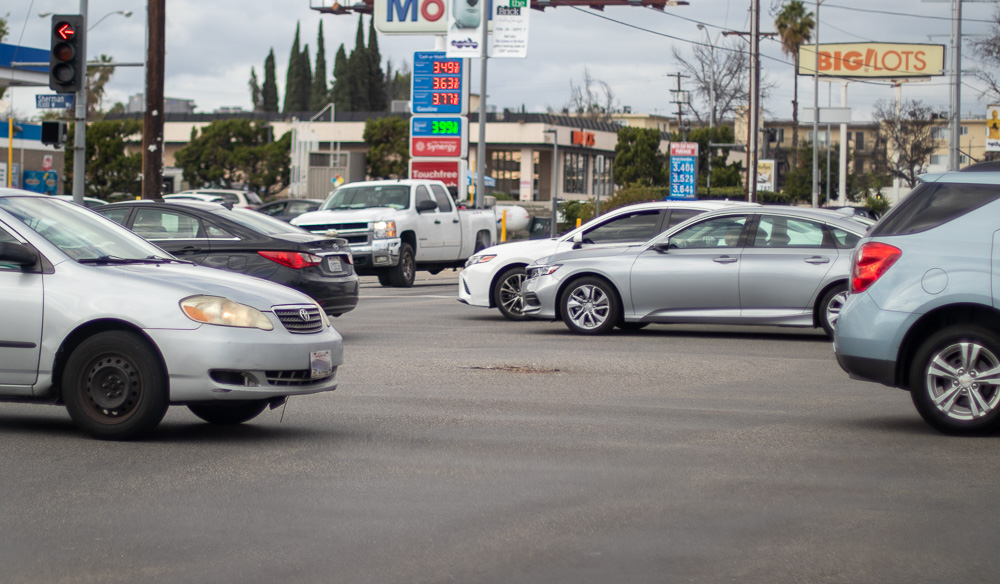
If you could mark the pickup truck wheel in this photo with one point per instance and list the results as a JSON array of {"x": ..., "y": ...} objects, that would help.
[
  {"x": 507, "y": 293},
  {"x": 402, "y": 275},
  {"x": 383, "y": 278}
]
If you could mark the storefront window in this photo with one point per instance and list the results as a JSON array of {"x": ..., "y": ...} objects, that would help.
[
  {"x": 575, "y": 173},
  {"x": 602, "y": 175},
  {"x": 505, "y": 167}
]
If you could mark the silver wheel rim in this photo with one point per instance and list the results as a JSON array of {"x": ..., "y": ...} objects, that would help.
[
  {"x": 408, "y": 267},
  {"x": 511, "y": 298},
  {"x": 588, "y": 307},
  {"x": 963, "y": 381},
  {"x": 834, "y": 307}
]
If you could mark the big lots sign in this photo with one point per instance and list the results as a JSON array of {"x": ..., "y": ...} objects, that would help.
[
  {"x": 412, "y": 16},
  {"x": 895, "y": 61}
]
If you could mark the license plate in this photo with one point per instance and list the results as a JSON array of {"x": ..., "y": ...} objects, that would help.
[
  {"x": 333, "y": 264},
  {"x": 320, "y": 364}
]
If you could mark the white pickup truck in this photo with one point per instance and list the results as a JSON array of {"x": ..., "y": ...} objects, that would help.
[{"x": 395, "y": 227}]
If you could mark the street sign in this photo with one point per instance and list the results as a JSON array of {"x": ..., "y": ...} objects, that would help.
[
  {"x": 439, "y": 136},
  {"x": 439, "y": 84},
  {"x": 683, "y": 170},
  {"x": 450, "y": 172},
  {"x": 57, "y": 101}
]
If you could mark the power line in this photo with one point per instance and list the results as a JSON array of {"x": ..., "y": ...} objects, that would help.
[{"x": 891, "y": 13}]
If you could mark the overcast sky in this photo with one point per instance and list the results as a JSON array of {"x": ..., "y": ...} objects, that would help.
[{"x": 211, "y": 46}]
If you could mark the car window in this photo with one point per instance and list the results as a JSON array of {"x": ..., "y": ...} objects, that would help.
[
  {"x": 442, "y": 197},
  {"x": 783, "y": 232},
  {"x": 6, "y": 237},
  {"x": 253, "y": 198},
  {"x": 715, "y": 232},
  {"x": 156, "y": 224},
  {"x": 678, "y": 216},
  {"x": 117, "y": 215},
  {"x": 931, "y": 205},
  {"x": 273, "y": 209},
  {"x": 844, "y": 239},
  {"x": 258, "y": 222},
  {"x": 638, "y": 226},
  {"x": 299, "y": 207},
  {"x": 422, "y": 195},
  {"x": 227, "y": 197}
]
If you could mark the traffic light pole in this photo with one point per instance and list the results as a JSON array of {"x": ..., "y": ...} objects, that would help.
[{"x": 80, "y": 132}]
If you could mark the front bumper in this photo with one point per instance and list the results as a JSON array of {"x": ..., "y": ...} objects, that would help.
[
  {"x": 540, "y": 297},
  {"x": 377, "y": 254},
  {"x": 474, "y": 285}
]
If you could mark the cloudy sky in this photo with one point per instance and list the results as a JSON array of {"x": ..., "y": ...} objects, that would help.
[{"x": 211, "y": 46}]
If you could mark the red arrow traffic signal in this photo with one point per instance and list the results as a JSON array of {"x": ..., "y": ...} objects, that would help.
[{"x": 65, "y": 31}]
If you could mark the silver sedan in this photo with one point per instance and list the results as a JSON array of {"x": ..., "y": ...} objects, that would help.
[{"x": 771, "y": 265}]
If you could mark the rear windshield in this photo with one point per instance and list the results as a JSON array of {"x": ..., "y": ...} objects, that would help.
[{"x": 933, "y": 204}]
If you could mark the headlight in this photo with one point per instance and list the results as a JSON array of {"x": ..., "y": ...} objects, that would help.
[
  {"x": 224, "y": 312},
  {"x": 480, "y": 259},
  {"x": 385, "y": 229},
  {"x": 324, "y": 316},
  {"x": 541, "y": 270}
]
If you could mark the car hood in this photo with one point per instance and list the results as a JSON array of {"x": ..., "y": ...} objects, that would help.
[
  {"x": 530, "y": 249},
  {"x": 591, "y": 253},
  {"x": 345, "y": 216}
]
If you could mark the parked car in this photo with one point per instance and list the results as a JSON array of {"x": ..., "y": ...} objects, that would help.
[
  {"x": 771, "y": 265},
  {"x": 245, "y": 241},
  {"x": 924, "y": 308},
  {"x": 493, "y": 277},
  {"x": 106, "y": 323},
  {"x": 193, "y": 197},
  {"x": 89, "y": 202},
  {"x": 288, "y": 209},
  {"x": 241, "y": 199}
]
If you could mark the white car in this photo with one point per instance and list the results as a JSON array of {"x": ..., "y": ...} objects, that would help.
[
  {"x": 241, "y": 199},
  {"x": 492, "y": 278},
  {"x": 194, "y": 197}
]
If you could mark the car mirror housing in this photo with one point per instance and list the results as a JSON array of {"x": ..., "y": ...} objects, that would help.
[
  {"x": 662, "y": 246},
  {"x": 426, "y": 206}
]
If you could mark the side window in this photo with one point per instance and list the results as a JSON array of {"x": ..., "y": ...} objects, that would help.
[
  {"x": 213, "y": 232},
  {"x": 116, "y": 215},
  {"x": 715, "y": 232},
  {"x": 443, "y": 199},
  {"x": 298, "y": 207},
  {"x": 423, "y": 195},
  {"x": 784, "y": 232},
  {"x": 274, "y": 209},
  {"x": 678, "y": 216},
  {"x": 155, "y": 224},
  {"x": 6, "y": 237},
  {"x": 844, "y": 239},
  {"x": 635, "y": 227}
]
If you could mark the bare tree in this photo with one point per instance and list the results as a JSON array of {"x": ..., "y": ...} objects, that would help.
[
  {"x": 594, "y": 99},
  {"x": 988, "y": 49},
  {"x": 721, "y": 78},
  {"x": 907, "y": 136}
]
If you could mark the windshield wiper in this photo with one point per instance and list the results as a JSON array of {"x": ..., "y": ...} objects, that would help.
[{"x": 110, "y": 259}]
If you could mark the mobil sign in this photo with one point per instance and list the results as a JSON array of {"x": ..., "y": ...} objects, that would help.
[
  {"x": 887, "y": 60},
  {"x": 413, "y": 16}
]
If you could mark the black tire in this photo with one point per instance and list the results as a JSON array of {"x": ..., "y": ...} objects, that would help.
[
  {"x": 114, "y": 386},
  {"x": 632, "y": 326},
  {"x": 229, "y": 413},
  {"x": 383, "y": 277},
  {"x": 507, "y": 293},
  {"x": 946, "y": 370},
  {"x": 403, "y": 274},
  {"x": 590, "y": 306},
  {"x": 830, "y": 306}
]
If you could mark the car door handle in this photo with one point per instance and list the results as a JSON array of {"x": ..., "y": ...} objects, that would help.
[
  {"x": 437, "y": 222},
  {"x": 724, "y": 260},
  {"x": 817, "y": 260},
  {"x": 454, "y": 220}
]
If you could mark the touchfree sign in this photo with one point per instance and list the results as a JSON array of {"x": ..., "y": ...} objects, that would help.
[
  {"x": 415, "y": 16},
  {"x": 888, "y": 60}
]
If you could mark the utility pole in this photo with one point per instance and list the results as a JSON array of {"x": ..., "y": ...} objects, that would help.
[
  {"x": 80, "y": 129},
  {"x": 679, "y": 99},
  {"x": 152, "y": 122}
]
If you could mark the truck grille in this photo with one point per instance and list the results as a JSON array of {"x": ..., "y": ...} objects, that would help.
[
  {"x": 321, "y": 227},
  {"x": 300, "y": 319}
]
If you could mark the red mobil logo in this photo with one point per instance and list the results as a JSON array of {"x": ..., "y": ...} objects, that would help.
[
  {"x": 446, "y": 171},
  {"x": 433, "y": 147}
]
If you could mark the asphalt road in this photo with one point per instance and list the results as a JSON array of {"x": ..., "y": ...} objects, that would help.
[{"x": 464, "y": 448}]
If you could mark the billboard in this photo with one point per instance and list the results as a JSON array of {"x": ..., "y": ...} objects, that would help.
[
  {"x": 683, "y": 170},
  {"x": 993, "y": 128},
  {"x": 416, "y": 16},
  {"x": 880, "y": 60}
]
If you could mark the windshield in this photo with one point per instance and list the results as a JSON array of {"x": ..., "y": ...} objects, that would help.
[
  {"x": 392, "y": 196},
  {"x": 78, "y": 232},
  {"x": 259, "y": 222}
]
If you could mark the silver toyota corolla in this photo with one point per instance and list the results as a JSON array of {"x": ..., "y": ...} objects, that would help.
[
  {"x": 115, "y": 328},
  {"x": 768, "y": 265}
]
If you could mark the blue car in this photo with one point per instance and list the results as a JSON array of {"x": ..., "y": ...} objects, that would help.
[{"x": 923, "y": 312}]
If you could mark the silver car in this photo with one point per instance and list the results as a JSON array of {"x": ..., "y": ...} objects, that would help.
[
  {"x": 783, "y": 266},
  {"x": 98, "y": 319}
]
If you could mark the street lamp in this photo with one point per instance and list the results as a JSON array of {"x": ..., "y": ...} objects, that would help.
[
  {"x": 711, "y": 87},
  {"x": 815, "y": 140},
  {"x": 125, "y": 13}
]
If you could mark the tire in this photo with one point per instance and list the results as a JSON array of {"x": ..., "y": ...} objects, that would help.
[
  {"x": 946, "y": 382},
  {"x": 507, "y": 293},
  {"x": 229, "y": 413},
  {"x": 830, "y": 306},
  {"x": 632, "y": 326},
  {"x": 590, "y": 306},
  {"x": 402, "y": 275},
  {"x": 383, "y": 277},
  {"x": 114, "y": 386}
]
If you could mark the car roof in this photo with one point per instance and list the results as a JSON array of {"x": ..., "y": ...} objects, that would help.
[
  {"x": 192, "y": 203},
  {"x": 829, "y": 216}
]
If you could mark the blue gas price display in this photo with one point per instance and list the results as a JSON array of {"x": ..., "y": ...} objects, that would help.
[{"x": 438, "y": 84}]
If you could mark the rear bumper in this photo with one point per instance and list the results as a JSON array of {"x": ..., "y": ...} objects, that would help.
[{"x": 866, "y": 369}]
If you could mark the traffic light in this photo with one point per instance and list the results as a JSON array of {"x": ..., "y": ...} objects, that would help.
[
  {"x": 54, "y": 133},
  {"x": 67, "y": 59}
]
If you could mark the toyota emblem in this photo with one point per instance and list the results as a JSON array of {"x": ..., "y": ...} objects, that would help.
[{"x": 304, "y": 314}]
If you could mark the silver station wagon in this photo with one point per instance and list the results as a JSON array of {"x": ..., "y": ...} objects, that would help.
[{"x": 99, "y": 319}]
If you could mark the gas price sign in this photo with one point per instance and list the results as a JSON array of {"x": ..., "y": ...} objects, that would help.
[
  {"x": 439, "y": 84},
  {"x": 439, "y": 136}
]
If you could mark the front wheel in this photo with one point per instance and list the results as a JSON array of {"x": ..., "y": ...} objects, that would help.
[
  {"x": 830, "y": 306},
  {"x": 403, "y": 274},
  {"x": 229, "y": 413},
  {"x": 507, "y": 293},
  {"x": 590, "y": 306},
  {"x": 114, "y": 386},
  {"x": 955, "y": 380}
]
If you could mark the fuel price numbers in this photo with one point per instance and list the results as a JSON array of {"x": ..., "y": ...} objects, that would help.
[{"x": 438, "y": 84}]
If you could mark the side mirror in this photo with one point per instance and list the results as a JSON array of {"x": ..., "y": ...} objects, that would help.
[
  {"x": 426, "y": 205},
  {"x": 18, "y": 254},
  {"x": 662, "y": 246},
  {"x": 578, "y": 240}
]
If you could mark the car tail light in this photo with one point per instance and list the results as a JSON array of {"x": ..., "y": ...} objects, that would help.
[
  {"x": 871, "y": 261},
  {"x": 292, "y": 259}
]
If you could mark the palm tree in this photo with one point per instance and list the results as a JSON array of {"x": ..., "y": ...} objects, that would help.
[{"x": 795, "y": 26}]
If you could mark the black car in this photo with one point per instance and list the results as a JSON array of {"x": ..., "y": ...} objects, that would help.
[
  {"x": 288, "y": 209},
  {"x": 240, "y": 240}
]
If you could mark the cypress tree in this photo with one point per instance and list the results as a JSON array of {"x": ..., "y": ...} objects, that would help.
[
  {"x": 358, "y": 72},
  {"x": 256, "y": 97},
  {"x": 293, "y": 78},
  {"x": 377, "y": 99},
  {"x": 305, "y": 80},
  {"x": 269, "y": 92},
  {"x": 318, "y": 97},
  {"x": 340, "y": 93}
]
